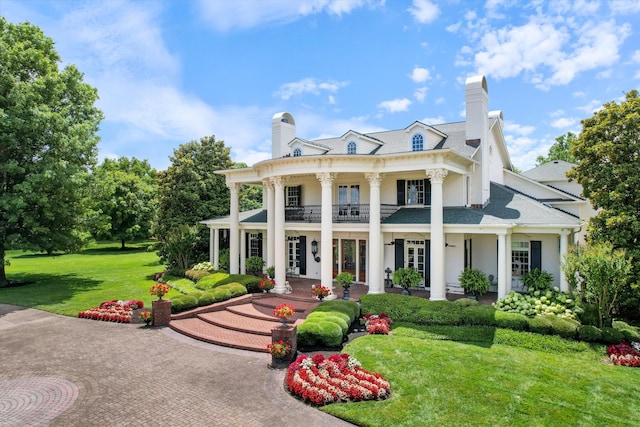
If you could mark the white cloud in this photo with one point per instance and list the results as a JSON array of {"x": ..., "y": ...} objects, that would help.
[
  {"x": 564, "y": 122},
  {"x": 307, "y": 85},
  {"x": 624, "y": 7},
  {"x": 395, "y": 105},
  {"x": 440, "y": 100},
  {"x": 635, "y": 57},
  {"x": 510, "y": 127},
  {"x": 433, "y": 120},
  {"x": 453, "y": 28},
  {"x": 590, "y": 107},
  {"x": 424, "y": 11},
  {"x": 230, "y": 15},
  {"x": 420, "y": 75},
  {"x": 420, "y": 94}
]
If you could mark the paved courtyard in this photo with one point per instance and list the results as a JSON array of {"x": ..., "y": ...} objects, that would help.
[{"x": 64, "y": 371}]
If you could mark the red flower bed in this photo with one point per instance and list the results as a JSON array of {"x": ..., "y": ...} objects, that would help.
[
  {"x": 378, "y": 323},
  {"x": 625, "y": 354},
  {"x": 340, "y": 377},
  {"x": 112, "y": 311}
]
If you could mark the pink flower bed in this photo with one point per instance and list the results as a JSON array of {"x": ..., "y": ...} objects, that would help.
[
  {"x": 112, "y": 311},
  {"x": 338, "y": 378},
  {"x": 625, "y": 354}
]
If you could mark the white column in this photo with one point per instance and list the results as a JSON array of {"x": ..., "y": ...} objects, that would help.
[
  {"x": 234, "y": 229},
  {"x": 243, "y": 252},
  {"x": 216, "y": 248},
  {"x": 279, "y": 247},
  {"x": 438, "y": 288},
  {"x": 564, "y": 247},
  {"x": 211, "y": 244},
  {"x": 502, "y": 264},
  {"x": 326, "y": 230},
  {"x": 507, "y": 257},
  {"x": 270, "y": 206},
  {"x": 375, "y": 264}
]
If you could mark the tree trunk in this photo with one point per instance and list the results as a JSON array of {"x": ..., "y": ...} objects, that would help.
[
  {"x": 122, "y": 247},
  {"x": 3, "y": 276}
]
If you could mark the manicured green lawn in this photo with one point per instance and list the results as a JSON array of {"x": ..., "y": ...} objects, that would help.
[
  {"x": 437, "y": 381},
  {"x": 67, "y": 284}
]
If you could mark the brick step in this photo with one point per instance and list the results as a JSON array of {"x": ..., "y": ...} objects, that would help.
[
  {"x": 235, "y": 319},
  {"x": 251, "y": 311},
  {"x": 204, "y": 331}
]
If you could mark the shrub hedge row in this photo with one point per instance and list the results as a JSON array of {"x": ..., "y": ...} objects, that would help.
[
  {"x": 420, "y": 311},
  {"x": 201, "y": 298},
  {"x": 328, "y": 324},
  {"x": 214, "y": 280}
]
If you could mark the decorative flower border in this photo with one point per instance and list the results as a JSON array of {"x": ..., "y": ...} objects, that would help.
[
  {"x": 112, "y": 311},
  {"x": 625, "y": 354},
  {"x": 338, "y": 378}
]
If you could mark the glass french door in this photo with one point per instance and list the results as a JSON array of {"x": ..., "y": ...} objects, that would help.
[
  {"x": 349, "y": 256},
  {"x": 415, "y": 256}
]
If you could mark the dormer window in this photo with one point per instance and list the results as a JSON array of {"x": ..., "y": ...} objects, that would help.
[
  {"x": 417, "y": 143},
  {"x": 297, "y": 152},
  {"x": 351, "y": 148}
]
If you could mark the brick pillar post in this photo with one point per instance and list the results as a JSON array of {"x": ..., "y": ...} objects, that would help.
[
  {"x": 161, "y": 312},
  {"x": 290, "y": 336}
]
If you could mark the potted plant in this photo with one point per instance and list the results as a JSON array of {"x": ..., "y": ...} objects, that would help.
[
  {"x": 283, "y": 312},
  {"x": 161, "y": 308},
  {"x": 474, "y": 282},
  {"x": 266, "y": 285},
  {"x": 279, "y": 350},
  {"x": 146, "y": 316},
  {"x": 319, "y": 291},
  {"x": 271, "y": 272},
  {"x": 254, "y": 264},
  {"x": 407, "y": 278},
  {"x": 345, "y": 279},
  {"x": 537, "y": 280}
]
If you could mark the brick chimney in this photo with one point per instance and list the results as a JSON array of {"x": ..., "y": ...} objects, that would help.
[{"x": 477, "y": 133}]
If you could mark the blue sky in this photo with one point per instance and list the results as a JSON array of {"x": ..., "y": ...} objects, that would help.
[{"x": 172, "y": 71}]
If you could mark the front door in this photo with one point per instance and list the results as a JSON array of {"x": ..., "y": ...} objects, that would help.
[
  {"x": 349, "y": 256},
  {"x": 417, "y": 257}
]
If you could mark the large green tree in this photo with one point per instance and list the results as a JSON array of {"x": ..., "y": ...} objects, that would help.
[
  {"x": 123, "y": 199},
  {"x": 608, "y": 153},
  {"x": 190, "y": 191},
  {"x": 48, "y": 142},
  {"x": 560, "y": 150},
  {"x": 249, "y": 196}
]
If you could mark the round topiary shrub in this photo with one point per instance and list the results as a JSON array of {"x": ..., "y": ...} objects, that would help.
[
  {"x": 319, "y": 333},
  {"x": 566, "y": 328},
  {"x": 466, "y": 302},
  {"x": 221, "y": 294},
  {"x": 177, "y": 305},
  {"x": 589, "y": 333},
  {"x": 196, "y": 294},
  {"x": 188, "y": 302},
  {"x": 630, "y": 333}
]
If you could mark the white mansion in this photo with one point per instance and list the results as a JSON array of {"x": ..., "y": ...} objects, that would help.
[{"x": 437, "y": 198}]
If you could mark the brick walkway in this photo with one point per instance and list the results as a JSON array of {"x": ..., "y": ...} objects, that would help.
[{"x": 127, "y": 374}]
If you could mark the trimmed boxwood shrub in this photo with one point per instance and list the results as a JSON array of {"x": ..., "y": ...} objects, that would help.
[
  {"x": 479, "y": 315},
  {"x": 514, "y": 321},
  {"x": 249, "y": 282},
  {"x": 321, "y": 332},
  {"x": 630, "y": 332},
  {"x": 350, "y": 308},
  {"x": 338, "y": 318},
  {"x": 466, "y": 302},
  {"x": 236, "y": 289},
  {"x": 199, "y": 298},
  {"x": 566, "y": 328},
  {"x": 209, "y": 281},
  {"x": 207, "y": 298},
  {"x": 183, "y": 303},
  {"x": 221, "y": 294},
  {"x": 540, "y": 325},
  {"x": 611, "y": 336},
  {"x": 589, "y": 333},
  {"x": 196, "y": 275}
]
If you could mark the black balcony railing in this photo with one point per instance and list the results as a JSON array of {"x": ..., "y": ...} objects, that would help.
[{"x": 339, "y": 213}]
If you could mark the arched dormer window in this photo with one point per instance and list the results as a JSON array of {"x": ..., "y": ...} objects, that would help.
[
  {"x": 417, "y": 142},
  {"x": 297, "y": 152},
  {"x": 351, "y": 148}
]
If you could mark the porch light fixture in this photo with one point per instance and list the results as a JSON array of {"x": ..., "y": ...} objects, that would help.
[{"x": 314, "y": 250}]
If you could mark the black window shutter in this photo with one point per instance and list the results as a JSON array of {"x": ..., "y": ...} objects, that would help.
[
  {"x": 303, "y": 255},
  {"x": 300, "y": 195},
  {"x": 399, "y": 248},
  {"x": 260, "y": 245},
  {"x": 427, "y": 191},
  {"x": 427, "y": 263},
  {"x": 247, "y": 245},
  {"x": 401, "y": 190},
  {"x": 536, "y": 254}
]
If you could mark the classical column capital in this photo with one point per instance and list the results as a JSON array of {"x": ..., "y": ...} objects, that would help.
[
  {"x": 326, "y": 178},
  {"x": 266, "y": 183},
  {"x": 375, "y": 178},
  {"x": 234, "y": 187},
  {"x": 278, "y": 181},
  {"x": 437, "y": 175}
]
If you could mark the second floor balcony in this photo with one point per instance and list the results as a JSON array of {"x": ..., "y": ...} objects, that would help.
[{"x": 350, "y": 213}]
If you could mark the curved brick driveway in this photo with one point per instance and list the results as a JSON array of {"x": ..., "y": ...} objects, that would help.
[{"x": 131, "y": 375}]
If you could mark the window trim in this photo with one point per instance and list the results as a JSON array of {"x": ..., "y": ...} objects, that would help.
[{"x": 417, "y": 142}]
